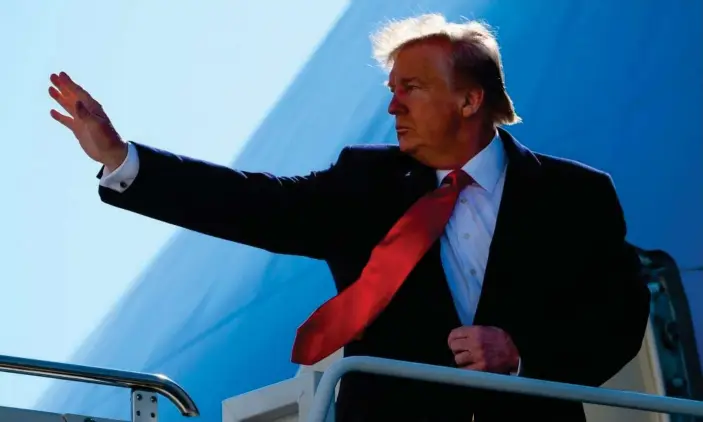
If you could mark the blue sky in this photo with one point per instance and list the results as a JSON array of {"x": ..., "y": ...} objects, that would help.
[{"x": 196, "y": 78}]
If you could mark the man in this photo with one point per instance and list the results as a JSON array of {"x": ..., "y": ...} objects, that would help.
[{"x": 458, "y": 248}]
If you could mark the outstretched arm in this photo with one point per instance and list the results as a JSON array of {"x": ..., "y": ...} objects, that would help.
[{"x": 290, "y": 215}]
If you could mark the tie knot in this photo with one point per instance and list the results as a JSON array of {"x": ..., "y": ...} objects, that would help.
[{"x": 458, "y": 178}]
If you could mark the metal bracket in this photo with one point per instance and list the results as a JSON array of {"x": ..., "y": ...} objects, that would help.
[{"x": 144, "y": 406}]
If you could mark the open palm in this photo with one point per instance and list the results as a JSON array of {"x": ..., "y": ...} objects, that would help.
[{"x": 86, "y": 119}]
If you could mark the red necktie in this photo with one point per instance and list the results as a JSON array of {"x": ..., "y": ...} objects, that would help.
[{"x": 345, "y": 316}]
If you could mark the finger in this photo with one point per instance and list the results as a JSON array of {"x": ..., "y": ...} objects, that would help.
[
  {"x": 63, "y": 84},
  {"x": 464, "y": 358},
  {"x": 63, "y": 119},
  {"x": 54, "y": 78},
  {"x": 458, "y": 345},
  {"x": 63, "y": 100},
  {"x": 66, "y": 81},
  {"x": 461, "y": 332},
  {"x": 476, "y": 366},
  {"x": 462, "y": 345}
]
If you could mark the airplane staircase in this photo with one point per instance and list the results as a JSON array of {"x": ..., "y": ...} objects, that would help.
[
  {"x": 308, "y": 397},
  {"x": 662, "y": 384}
]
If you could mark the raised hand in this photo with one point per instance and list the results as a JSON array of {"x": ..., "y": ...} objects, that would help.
[{"x": 88, "y": 122}]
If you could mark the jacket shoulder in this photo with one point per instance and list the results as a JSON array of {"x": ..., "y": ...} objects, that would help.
[
  {"x": 369, "y": 156},
  {"x": 370, "y": 151},
  {"x": 570, "y": 171}
]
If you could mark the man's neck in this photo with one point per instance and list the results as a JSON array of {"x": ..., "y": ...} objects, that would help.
[{"x": 468, "y": 148}]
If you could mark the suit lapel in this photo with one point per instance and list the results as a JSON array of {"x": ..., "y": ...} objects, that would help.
[
  {"x": 509, "y": 238},
  {"x": 417, "y": 180}
]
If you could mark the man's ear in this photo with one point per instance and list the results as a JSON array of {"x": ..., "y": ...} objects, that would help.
[{"x": 472, "y": 101}]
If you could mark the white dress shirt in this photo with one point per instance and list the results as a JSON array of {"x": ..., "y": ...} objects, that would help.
[{"x": 467, "y": 237}]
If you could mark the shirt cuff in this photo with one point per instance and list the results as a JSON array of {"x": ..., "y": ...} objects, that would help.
[
  {"x": 518, "y": 372},
  {"x": 123, "y": 176}
]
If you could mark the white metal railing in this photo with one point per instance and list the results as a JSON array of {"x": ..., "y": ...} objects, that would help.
[
  {"x": 145, "y": 387},
  {"x": 618, "y": 398}
]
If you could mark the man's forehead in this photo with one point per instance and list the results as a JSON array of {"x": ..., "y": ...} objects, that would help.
[
  {"x": 420, "y": 57},
  {"x": 408, "y": 67},
  {"x": 418, "y": 63}
]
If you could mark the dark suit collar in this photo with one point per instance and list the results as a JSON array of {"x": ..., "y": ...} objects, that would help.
[
  {"x": 517, "y": 153},
  {"x": 418, "y": 179}
]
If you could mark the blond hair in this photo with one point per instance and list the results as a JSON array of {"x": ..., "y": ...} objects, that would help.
[{"x": 475, "y": 56}]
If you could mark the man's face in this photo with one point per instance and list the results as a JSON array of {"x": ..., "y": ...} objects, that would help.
[{"x": 427, "y": 110}]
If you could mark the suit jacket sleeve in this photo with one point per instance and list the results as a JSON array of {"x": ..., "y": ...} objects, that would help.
[
  {"x": 612, "y": 308},
  {"x": 289, "y": 215}
]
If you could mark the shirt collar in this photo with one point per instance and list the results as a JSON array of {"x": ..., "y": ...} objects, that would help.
[{"x": 486, "y": 167}]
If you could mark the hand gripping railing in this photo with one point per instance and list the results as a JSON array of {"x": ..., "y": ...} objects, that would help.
[
  {"x": 627, "y": 399},
  {"x": 144, "y": 386}
]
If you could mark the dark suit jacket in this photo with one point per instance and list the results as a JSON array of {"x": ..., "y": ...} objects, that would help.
[{"x": 560, "y": 278}]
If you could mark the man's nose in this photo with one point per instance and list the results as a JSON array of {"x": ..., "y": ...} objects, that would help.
[{"x": 395, "y": 107}]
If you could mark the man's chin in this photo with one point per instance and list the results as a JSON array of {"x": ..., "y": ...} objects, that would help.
[
  {"x": 407, "y": 147},
  {"x": 417, "y": 153},
  {"x": 414, "y": 153}
]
